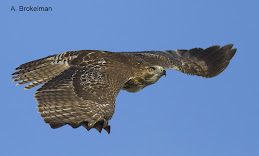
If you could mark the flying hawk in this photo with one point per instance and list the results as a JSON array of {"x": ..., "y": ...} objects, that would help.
[{"x": 80, "y": 87}]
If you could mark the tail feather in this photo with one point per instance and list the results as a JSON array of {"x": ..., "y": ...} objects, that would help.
[
  {"x": 38, "y": 72},
  {"x": 35, "y": 63}
]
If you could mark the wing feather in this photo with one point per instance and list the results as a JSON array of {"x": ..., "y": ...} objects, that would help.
[
  {"x": 80, "y": 87},
  {"x": 197, "y": 61},
  {"x": 80, "y": 96}
]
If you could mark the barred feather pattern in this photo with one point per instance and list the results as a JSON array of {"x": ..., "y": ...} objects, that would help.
[
  {"x": 41, "y": 71},
  {"x": 59, "y": 104},
  {"x": 197, "y": 61},
  {"x": 80, "y": 87}
]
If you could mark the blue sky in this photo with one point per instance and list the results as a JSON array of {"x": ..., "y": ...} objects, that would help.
[{"x": 180, "y": 115}]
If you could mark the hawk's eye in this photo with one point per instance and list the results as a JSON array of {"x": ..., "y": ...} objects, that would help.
[{"x": 151, "y": 69}]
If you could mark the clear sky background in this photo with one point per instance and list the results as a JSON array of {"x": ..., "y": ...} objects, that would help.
[{"x": 180, "y": 115}]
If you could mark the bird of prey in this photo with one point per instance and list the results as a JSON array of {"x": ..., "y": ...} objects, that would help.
[{"x": 80, "y": 87}]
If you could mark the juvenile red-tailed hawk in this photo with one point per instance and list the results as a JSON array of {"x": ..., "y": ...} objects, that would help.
[{"x": 81, "y": 86}]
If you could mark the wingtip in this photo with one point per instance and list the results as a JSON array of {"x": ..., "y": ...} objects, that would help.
[
  {"x": 226, "y": 48},
  {"x": 229, "y": 45},
  {"x": 108, "y": 129}
]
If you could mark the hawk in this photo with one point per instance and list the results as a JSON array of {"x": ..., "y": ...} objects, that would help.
[{"x": 80, "y": 87}]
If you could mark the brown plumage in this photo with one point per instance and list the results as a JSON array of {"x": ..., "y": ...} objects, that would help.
[{"x": 81, "y": 86}]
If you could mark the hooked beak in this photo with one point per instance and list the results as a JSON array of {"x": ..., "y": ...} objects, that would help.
[{"x": 164, "y": 72}]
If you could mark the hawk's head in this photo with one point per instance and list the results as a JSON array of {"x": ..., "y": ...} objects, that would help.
[
  {"x": 150, "y": 76},
  {"x": 153, "y": 74}
]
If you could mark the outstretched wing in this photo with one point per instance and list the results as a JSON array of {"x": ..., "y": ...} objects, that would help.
[
  {"x": 80, "y": 96},
  {"x": 202, "y": 62},
  {"x": 81, "y": 88}
]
